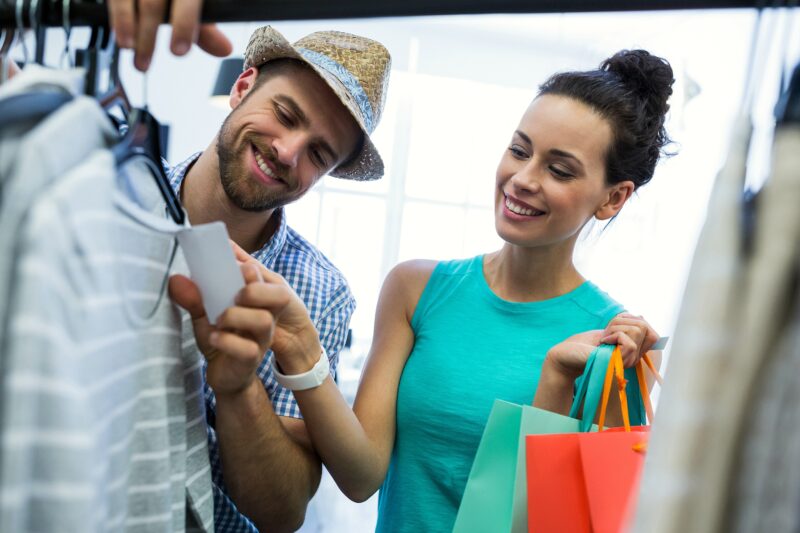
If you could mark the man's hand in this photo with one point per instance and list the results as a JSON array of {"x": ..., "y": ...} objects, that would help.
[
  {"x": 235, "y": 346},
  {"x": 135, "y": 23},
  {"x": 296, "y": 341}
]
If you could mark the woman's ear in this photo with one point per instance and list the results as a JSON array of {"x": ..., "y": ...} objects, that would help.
[
  {"x": 618, "y": 194},
  {"x": 243, "y": 85}
]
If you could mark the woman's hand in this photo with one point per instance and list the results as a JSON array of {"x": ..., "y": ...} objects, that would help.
[
  {"x": 569, "y": 357},
  {"x": 566, "y": 361},
  {"x": 631, "y": 333}
]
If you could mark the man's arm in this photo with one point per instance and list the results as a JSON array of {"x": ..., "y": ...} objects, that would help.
[{"x": 268, "y": 464}]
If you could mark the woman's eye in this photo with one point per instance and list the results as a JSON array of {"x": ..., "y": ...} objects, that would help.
[
  {"x": 517, "y": 152},
  {"x": 562, "y": 174}
]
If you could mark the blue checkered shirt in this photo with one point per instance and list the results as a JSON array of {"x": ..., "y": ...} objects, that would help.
[{"x": 330, "y": 303}]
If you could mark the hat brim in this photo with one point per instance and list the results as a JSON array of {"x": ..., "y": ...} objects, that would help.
[{"x": 367, "y": 165}]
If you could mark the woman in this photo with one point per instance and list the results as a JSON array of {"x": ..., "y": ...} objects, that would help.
[{"x": 452, "y": 336}]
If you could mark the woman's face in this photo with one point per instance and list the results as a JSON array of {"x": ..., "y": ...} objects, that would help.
[{"x": 551, "y": 179}]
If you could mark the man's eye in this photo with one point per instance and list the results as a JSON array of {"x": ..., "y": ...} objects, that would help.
[
  {"x": 318, "y": 159},
  {"x": 283, "y": 116}
]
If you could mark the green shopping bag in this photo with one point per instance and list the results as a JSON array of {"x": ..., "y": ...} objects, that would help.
[{"x": 495, "y": 497}]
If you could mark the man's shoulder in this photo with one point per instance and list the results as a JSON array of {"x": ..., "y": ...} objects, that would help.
[{"x": 303, "y": 265}]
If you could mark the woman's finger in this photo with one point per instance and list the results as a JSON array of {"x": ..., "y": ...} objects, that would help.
[{"x": 629, "y": 348}]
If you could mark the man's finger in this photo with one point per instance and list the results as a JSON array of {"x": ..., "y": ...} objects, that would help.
[
  {"x": 244, "y": 351},
  {"x": 185, "y": 21},
  {"x": 185, "y": 293},
  {"x": 240, "y": 254},
  {"x": 252, "y": 273},
  {"x": 213, "y": 41},
  {"x": 151, "y": 14},
  {"x": 122, "y": 17},
  {"x": 255, "y": 324}
]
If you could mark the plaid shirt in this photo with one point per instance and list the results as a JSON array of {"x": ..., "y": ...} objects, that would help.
[{"x": 330, "y": 303}]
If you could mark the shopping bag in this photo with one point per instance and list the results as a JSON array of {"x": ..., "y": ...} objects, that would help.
[
  {"x": 495, "y": 496},
  {"x": 588, "y": 481}
]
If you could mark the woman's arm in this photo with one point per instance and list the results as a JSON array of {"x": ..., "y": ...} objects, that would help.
[{"x": 356, "y": 444}]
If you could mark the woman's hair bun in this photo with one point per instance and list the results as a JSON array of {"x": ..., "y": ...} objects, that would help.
[{"x": 648, "y": 76}]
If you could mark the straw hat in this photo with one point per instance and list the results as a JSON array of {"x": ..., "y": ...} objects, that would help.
[{"x": 355, "y": 68}]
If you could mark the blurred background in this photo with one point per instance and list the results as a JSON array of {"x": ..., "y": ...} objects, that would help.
[{"x": 459, "y": 86}]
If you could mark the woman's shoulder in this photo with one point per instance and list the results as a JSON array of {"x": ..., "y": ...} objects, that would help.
[
  {"x": 413, "y": 275},
  {"x": 416, "y": 273}
]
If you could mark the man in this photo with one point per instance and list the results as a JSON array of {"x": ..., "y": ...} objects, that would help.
[{"x": 299, "y": 112}]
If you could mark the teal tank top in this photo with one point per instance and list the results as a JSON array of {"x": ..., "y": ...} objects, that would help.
[{"x": 470, "y": 347}]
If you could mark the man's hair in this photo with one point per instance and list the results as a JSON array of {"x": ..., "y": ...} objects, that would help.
[
  {"x": 278, "y": 67},
  {"x": 283, "y": 66}
]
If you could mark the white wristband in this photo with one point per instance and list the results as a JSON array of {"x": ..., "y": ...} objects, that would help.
[{"x": 307, "y": 380}]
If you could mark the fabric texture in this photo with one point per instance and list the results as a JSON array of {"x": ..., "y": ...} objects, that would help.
[
  {"x": 735, "y": 308},
  {"x": 327, "y": 296},
  {"x": 94, "y": 408},
  {"x": 471, "y": 347},
  {"x": 677, "y": 492},
  {"x": 767, "y": 465}
]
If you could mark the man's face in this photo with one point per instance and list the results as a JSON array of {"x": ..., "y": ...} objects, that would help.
[{"x": 281, "y": 137}]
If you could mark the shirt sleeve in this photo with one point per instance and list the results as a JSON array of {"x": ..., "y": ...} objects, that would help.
[{"x": 332, "y": 325}]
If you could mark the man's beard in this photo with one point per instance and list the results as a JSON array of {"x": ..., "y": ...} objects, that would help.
[{"x": 241, "y": 188}]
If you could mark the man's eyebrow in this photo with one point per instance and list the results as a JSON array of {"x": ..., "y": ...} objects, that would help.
[{"x": 289, "y": 102}]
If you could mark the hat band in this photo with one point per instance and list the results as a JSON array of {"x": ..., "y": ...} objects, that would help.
[{"x": 347, "y": 79}]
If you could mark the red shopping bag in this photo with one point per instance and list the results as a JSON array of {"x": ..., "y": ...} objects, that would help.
[{"x": 581, "y": 482}]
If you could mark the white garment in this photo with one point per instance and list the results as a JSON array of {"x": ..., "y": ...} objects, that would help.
[
  {"x": 728, "y": 334},
  {"x": 767, "y": 470},
  {"x": 101, "y": 414},
  {"x": 678, "y": 493}
]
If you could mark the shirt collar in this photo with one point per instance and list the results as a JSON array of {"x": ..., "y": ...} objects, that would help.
[{"x": 267, "y": 254}]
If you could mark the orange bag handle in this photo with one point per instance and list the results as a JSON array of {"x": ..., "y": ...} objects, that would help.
[{"x": 616, "y": 369}]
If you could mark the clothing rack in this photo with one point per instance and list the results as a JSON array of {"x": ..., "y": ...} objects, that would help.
[{"x": 86, "y": 13}]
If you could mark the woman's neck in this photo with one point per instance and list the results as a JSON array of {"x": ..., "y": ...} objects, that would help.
[{"x": 521, "y": 274}]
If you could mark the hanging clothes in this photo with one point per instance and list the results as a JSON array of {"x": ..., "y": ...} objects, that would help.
[
  {"x": 101, "y": 411},
  {"x": 767, "y": 470},
  {"x": 675, "y": 488},
  {"x": 731, "y": 379}
]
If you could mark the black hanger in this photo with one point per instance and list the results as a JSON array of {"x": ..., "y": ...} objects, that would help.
[
  {"x": 787, "y": 110},
  {"x": 96, "y": 58},
  {"x": 142, "y": 141}
]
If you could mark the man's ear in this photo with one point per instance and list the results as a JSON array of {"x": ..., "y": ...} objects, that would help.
[
  {"x": 618, "y": 194},
  {"x": 243, "y": 85}
]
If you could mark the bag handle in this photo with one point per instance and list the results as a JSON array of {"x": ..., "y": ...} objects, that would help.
[{"x": 616, "y": 370}]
